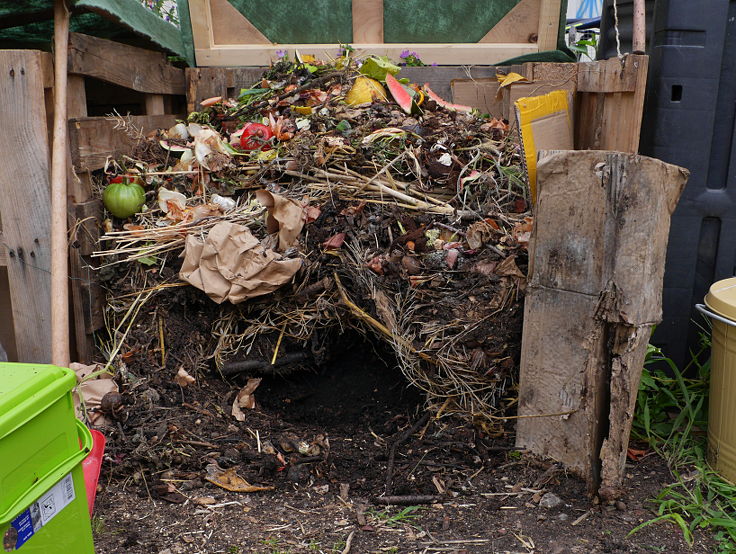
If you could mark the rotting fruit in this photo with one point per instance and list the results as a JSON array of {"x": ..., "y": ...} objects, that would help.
[{"x": 124, "y": 196}]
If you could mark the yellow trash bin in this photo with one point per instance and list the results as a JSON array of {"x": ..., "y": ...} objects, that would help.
[{"x": 720, "y": 307}]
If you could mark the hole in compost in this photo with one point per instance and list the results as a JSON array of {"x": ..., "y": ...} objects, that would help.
[
  {"x": 676, "y": 93},
  {"x": 359, "y": 384}
]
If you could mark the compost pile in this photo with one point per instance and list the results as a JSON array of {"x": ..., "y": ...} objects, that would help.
[{"x": 319, "y": 201}]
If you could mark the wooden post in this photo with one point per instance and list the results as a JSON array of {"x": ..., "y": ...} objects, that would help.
[
  {"x": 25, "y": 209},
  {"x": 59, "y": 256},
  {"x": 594, "y": 294},
  {"x": 639, "y": 31}
]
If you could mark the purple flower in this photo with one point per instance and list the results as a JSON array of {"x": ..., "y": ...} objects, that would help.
[
  {"x": 405, "y": 54},
  {"x": 340, "y": 51},
  {"x": 434, "y": 64},
  {"x": 281, "y": 53}
]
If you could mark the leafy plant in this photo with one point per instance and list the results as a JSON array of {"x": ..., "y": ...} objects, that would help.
[
  {"x": 165, "y": 9},
  {"x": 671, "y": 416},
  {"x": 581, "y": 47}
]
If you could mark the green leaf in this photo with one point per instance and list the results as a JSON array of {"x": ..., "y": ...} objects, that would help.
[
  {"x": 148, "y": 260},
  {"x": 376, "y": 67}
]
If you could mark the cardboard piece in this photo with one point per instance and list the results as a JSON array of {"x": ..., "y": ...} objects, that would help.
[
  {"x": 285, "y": 217},
  {"x": 230, "y": 264},
  {"x": 481, "y": 94},
  {"x": 545, "y": 123},
  {"x": 90, "y": 390}
]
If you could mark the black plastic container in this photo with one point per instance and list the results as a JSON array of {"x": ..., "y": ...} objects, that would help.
[{"x": 689, "y": 121}]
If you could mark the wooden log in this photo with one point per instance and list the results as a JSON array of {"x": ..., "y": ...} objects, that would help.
[
  {"x": 127, "y": 66},
  {"x": 595, "y": 288},
  {"x": 25, "y": 209}
]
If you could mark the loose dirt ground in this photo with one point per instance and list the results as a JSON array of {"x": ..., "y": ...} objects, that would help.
[{"x": 153, "y": 496}]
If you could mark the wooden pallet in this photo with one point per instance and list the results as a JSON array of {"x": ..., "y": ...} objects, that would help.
[
  {"x": 225, "y": 37},
  {"x": 103, "y": 76}
]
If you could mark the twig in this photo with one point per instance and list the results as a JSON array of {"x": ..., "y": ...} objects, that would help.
[
  {"x": 348, "y": 542},
  {"x": 408, "y": 499}
]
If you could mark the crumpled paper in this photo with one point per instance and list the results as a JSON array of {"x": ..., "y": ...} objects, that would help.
[
  {"x": 285, "y": 217},
  {"x": 89, "y": 392},
  {"x": 230, "y": 264}
]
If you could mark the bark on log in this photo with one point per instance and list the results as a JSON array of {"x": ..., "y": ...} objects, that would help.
[{"x": 595, "y": 292}]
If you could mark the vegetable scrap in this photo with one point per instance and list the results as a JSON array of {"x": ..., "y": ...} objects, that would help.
[{"x": 316, "y": 201}]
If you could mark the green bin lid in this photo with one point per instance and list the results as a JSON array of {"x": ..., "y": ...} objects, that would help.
[
  {"x": 721, "y": 298},
  {"x": 27, "y": 389}
]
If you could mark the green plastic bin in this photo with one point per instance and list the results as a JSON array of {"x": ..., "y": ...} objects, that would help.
[{"x": 43, "y": 502}]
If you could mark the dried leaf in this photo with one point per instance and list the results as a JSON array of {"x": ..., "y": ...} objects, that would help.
[
  {"x": 245, "y": 399},
  {"x": 182, "y": 378},
  {"x": 508, "y": 268},
  {"x": 334, "y": 242},
  {"x": 229, "y": 480}
]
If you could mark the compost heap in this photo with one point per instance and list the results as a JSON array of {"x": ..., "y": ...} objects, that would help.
[{"x": 317, "y": 201}]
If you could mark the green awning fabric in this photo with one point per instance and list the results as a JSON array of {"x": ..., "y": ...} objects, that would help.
[{"x": 29, "y": 24}]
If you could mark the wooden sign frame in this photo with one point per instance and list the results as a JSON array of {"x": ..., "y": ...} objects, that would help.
[{"x": 223, "y": 37}]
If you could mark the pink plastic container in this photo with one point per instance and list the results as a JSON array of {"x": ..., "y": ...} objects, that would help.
[{"x": 91, "y": 467}]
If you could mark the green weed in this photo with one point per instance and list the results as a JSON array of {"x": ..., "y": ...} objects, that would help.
[
  {"x": 405, "y": 516},
  {"x": 671, "y": 415}
]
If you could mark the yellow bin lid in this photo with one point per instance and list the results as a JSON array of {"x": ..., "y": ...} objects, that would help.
[{"x": 721, "y": 298}]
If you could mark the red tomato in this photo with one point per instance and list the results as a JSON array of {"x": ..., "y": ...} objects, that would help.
[{"x": 255, "y": 137}]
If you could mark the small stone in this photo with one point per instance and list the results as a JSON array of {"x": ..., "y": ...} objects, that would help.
[
  {"x": 550, "y": 500},
  {"x": 541, "y": 517},
  {"x": 620, "y": 506},
  {"x": 204, "y": 500},
  {"x": 563, "y": 517}
]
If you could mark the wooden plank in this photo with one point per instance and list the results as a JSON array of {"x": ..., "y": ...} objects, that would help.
[
  {"x": 443, "y": 54},
  {"x": 594, "y": 293},
  {"x": 613, "y": 75},
  {"x": 549, "y": 25},
  {"x": 232, "y": 26},
  {"x": 154, "y": 104},
  {"x": 3, "y": 251},
  {"x": 367, "y": 21},
  {"x": 207, "y": 82},
  {"x": 7, "y": 335},
  {"x": 25, "y": 210},
  {"x": 520, "y": 25},
  {"x": 610, "y": 104},
  {"x": 123, "y": 65},
  {"x": 94, "y": 139},
  {"x": 201, "y": 17},
  {"x": 481, "y": 94}
]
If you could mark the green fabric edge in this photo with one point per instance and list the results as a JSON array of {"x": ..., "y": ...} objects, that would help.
[
  {"x": 141, "y": 20},
  {"x": 185, "y": 31}
]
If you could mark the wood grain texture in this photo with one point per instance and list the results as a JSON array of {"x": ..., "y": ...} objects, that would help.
[
  {"x": 3, "y": 251},
  {"x": 127, "y": 66},
  {"x": 549, "y": 25},
  {"x": 443, "y": 54},
  {"x": 610, "y": 104},
  {"x": 232, "y": 26},
  {"x": 206, "y": 82},
  {"x": 25, "y": 210},
  {"x": 521, "y": 24},
  {"x": 94, "y": 139},
  {"x": 594, "y": 293},
  {"x": 154, "y": 104},
  {"x": 367, "y": 21}
]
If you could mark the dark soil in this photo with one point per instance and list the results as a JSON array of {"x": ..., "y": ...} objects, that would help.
[{"x": 350, "y": 414}]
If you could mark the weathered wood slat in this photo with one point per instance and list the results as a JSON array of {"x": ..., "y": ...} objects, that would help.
[
  {"x": 94, "y": 139},
  {"x": 25, "y": 205},
  {"x": 3, "y": 251},
  {"x": 123, "y": 65},
  {"x": 610, "y": 104},
  {"x": 595, "y": 292},
  {"x": 515, "y": 25}
]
